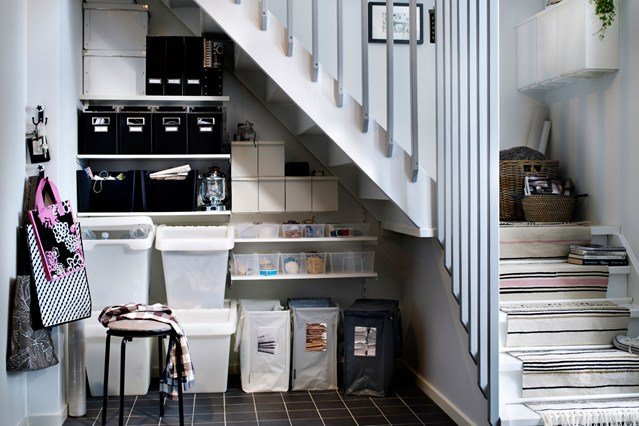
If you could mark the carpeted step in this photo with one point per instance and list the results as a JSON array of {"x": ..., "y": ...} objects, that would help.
[
  {"x": 522, "y": 240},
  {"x": 578, "y": 372},
  {"x": 565, "y": 323},
  {"x": 579, "y": 412}
]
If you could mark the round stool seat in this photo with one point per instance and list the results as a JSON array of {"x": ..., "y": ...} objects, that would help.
[{"x": 139, "y": 328}]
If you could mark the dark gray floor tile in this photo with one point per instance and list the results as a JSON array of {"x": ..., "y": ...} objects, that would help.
[
  {"x": 140, "y": 421},
  {"x": 242, "y": 423},
  {"x": 208, "y": 409},
  {"x": 303, "y": 405},
  {"x": 205, "y": 400},
  {"x": 265, "y": 398},
  {"x": 371, "y": 420},
  {"x": 240, "y": 408},
  {"x": 328, "y": 396},
  {"x": 397, "y": 419},
  {"x": 208, "y": 418},
  {"x": 410, "y": 392},
  {"x": 307, "y": 422},
  {"x": 175, "y": 420},
  {"x": 241, "y": 399},
  {"x": 426, "y": 409},
  {"x": 329, "y": 404},
  {"x": 344, "y": 421},
  {"x": 388, "y": 402},
  {"x": 359, "y": 403},
  {"x": 365, "y": 411},
  {"x": 240, "y": 417},
  {"x": 435, "y": 418},
  {"x": 272, "y": 415},
  {"x": 303, "y": 414},
  {"x": 335, "y": 412},
  {"x": 296, "y": 397},
  {"x": 404, "y": 410},
  {"x": 417, "y": 400},
  {"x": 270, "y": 407},
  {"x": 274, "y": 423},
  {"x": 234, "y": 392},
  {"x": 79, "y": 421}
]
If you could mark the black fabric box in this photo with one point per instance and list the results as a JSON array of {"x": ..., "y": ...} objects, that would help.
[
  {"x": 205, "y": 131},
  {"x": 370, "y": 370},
  {"x": 174, "y": 66},
  {"x": 97, "y": 131},
  {"x": 169, "y": 195},
  {"x": 134, "y": 131},
  {"x": 107, "y": 195},
  {"x": 193, "y": 66},
  {"x": 155, "y": 68},
  {"x": 296, "y": 168},
  {"x": 169, "y": 131}
]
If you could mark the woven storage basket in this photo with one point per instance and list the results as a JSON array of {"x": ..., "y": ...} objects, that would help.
[
  {"x": 511, "y": 183},
  {"x": 548, "y": 208}
]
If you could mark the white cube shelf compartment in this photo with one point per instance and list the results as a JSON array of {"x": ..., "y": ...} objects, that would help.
[
  {"x": 272, "y": 194},
  {"x": 324, "y": 194},
  {"x": 243, "y": 159},
  {"x": 114, "y": 73},
  {"x": 299, "y": 196},
  {"x": 245, "y": 195},
  {"x": 270, "y": 159},
  {"x": 115, "y": 26}
]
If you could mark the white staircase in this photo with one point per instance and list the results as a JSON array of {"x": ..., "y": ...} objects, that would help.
[
  {"x": 331, "y": 133},
  {"x": 513, "y": 412}
]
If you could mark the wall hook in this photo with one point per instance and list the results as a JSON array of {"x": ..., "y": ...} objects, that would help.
[{"x": 41, "y": 117}]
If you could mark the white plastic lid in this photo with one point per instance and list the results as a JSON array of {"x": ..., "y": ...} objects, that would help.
[
  {"x": 194, "y": 238},
  {"x": 208, "y": 322},
  {"x": 117, "y": 223}
]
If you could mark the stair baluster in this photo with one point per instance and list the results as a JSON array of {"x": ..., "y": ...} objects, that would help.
[
  {"x": 414, "y": 94},
  {"x": 264, "y": 6},
  {"x": 289, "y": 27},
  {"x": 365, "y": 100},
  {"x": 340, "y": 54},
  {"x": 315, "y": 70},
  {"x": 390, "y": 98}
]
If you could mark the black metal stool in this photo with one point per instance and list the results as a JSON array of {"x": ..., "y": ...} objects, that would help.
[{"x": 128, "y": 330}]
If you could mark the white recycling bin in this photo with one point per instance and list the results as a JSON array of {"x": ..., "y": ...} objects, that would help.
[
  {"x": 118, "y": 261},
  {"x": 195, "y": 263},
  {"x": 264, "y": 340}
]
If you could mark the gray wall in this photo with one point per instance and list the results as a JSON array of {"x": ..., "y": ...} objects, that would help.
[{"x": 13, "y": 40}]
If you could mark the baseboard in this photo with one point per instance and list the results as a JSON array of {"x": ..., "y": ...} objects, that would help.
[
  {"x": 444, "y": 403},
  {"x": 54, "y": 419}
]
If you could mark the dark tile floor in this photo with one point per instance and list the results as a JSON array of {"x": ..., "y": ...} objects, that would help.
[{"x": 407, "y": 406}]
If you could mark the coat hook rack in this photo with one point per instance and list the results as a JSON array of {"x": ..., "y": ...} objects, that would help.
[
  {"x": 37, "y": 142},
  {"x": 41, "y": 117}
]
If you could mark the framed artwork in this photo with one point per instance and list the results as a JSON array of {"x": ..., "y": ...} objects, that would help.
[{"x": 401, "y": 33}]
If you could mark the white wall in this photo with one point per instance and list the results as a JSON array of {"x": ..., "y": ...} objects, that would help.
[
  {"x": 13, "y": 41},
  {"x": 594, "y": 135},
  {"x": 517, "y": 108}
]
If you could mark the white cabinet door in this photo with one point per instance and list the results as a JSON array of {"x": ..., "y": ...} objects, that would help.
[
  {"x": 244, "y": 195},
  {"x": 243, "y": 159},
  {"x": 571, "y": 37},
  {"x": 270, "y": 159},
  {"x": 272, "y": 195},
  {"x": 526, "y": 53},
  {"x": 547, "y": 46},
  {"x": 299, "y": 194},
  {"x": 325, "y": 194}
]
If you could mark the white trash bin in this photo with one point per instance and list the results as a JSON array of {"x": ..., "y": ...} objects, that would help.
[
  {"x": 118, "y": 261},
  {"x": 209, "y": 334},
  {"x": 195, "y": 261},
  {"x": 264, "y": 339}
]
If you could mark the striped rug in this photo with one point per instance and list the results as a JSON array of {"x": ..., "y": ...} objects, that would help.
[
  {"x": 531, "y": 240},
  {"x": 552, "y": 281},
  {"x": 627, "y": 344},
  {"x": 565, "y": 323},
  {"x": 612, "y": 412},
  {"x": 582, "y": 372}
]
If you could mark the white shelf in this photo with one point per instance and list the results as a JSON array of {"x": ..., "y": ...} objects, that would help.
[
  {"x": 154, "y": 157},
  {"x": 153, "y": 100},
  {"x": 306, "y": 240},
  {"x": 156, "y": 214},
  {"x": 301, "y": 277}
]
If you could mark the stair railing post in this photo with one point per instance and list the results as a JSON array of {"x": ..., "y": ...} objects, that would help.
[
  {"x": 315, "y": 70},
  {"x": 365, "y": 105},
  {"x": 340, "y": 54},
  {"x": 289, "y": 27},
  {"x": 414, "y": 96},
  {"x": 390, "y": 99},
  {"x": 264, "y": 14}
]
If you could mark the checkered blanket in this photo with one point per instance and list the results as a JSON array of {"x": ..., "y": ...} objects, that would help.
[{"x": 160, "y": 313}]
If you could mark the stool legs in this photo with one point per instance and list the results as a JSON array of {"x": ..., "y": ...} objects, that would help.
[
  {"x": 105, "y": 388},
  {"x": 122, "y": 376},
  {"x": 178, "y": 365},
  {"x": 160, "y": 366}
]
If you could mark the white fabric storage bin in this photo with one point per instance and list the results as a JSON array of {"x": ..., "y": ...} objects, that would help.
[
  {"x": 270, "y": 159},
  {"x": 129, "y": 281},
  {"x": 325, "y": 194},
  {"x": 209, "y": 334},
  {"x": 115, "y": 26},
  {"x": 298, "y": 194},
  {"x": 264, "y": 340},
  {"x": 137, "y": 374},
  {"x": 195, "y": 261},
  {"x": 244, "y": 195},
  {"x": 272, "y": 195},
  {"x": 110, "y": 73},
  {"x": 314, "y": 344},
  {"x": 243, "y": 159}
]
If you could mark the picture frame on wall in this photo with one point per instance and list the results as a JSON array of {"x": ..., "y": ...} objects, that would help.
[{"x": 401, "y": 34}]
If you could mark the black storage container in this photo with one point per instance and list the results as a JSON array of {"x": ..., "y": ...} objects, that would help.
[
  {"x": 372, "y": 343},
  {"x": 174, "y": 66},
  {"x": 134, "y": 130},
  {"x": 155, "y": 59},
  {"x": 193, "y": 66},
  {"x": 169, "y": 195},
  {"x": 213, "y": 82},
  {"x": 296, "y": 168},
  {"x": 169, "y": 130},
  {"x": 97, "y": 131},
  {"x": 107, "y": 195},
  {"x": 205, "y": 131}
]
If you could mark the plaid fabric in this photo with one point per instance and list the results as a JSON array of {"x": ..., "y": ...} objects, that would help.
[{"x": 160, "y": 313}]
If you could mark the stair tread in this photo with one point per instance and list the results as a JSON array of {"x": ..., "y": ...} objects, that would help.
[{"x": 518, "y": 415}]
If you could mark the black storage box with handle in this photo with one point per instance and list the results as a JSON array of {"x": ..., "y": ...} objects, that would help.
[
  {"x": 205, "y": 131},
  {"x": 169, "y": 195},
  {"x": 169, "y": 130},
  {"x": 108, "y": 195},
  {"x": 134, "y": 130},
  {"x": 97, "y": 130}
]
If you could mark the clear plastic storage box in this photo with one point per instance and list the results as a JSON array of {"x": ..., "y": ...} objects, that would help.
[
  {"x": 269, "y": 263},
  {"x": 352, "y": 262},
  {"x": 292, "y": 231},
  {"x": 349, "y": 229},
  {"x": 245, "y": 264},
  {"x": 315, "y": 263},
  {"x": 293, "y": 264},
  {"x": 262, "y": 230},
  {"x": 314, "y": 231}
]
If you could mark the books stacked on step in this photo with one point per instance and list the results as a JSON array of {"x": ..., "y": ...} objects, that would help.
[{"x": 598, "y": 255}]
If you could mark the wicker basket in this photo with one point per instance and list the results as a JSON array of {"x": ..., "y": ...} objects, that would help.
[
  {"x": 548, "y": 208},
  {"x": 511, "y": 183}
]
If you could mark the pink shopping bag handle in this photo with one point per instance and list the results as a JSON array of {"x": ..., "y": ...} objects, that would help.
[{"x": 39, "y": 197}]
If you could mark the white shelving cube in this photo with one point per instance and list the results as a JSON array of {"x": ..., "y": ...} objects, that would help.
[
  {"x": 243, "y": 159},
  {"x": 325, "y": 194},
  {"x": 114, "y": 73},
  {"x": 299, "y": 194},
  {"x": 270, "y": 159},
  {"x": 245, "y": 195},
  {"x": 115, "y": 26},
  {"x": 272, "y": 195}
]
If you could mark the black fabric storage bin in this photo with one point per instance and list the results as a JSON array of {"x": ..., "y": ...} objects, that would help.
[
  {"x": 134, "y": 131},
  {"x": 169, "y": 195},
  {"x": 97, "y": 131},
  {"x": 193, "y": 66},
  {"x": 369, "y": 369},
  {"x": 205, "y": 131},
  {"x": 107, "y": 195},
  {"x": 169, "y": 131},
  {"x": 174, "y": 66},
  {"x": 155, "y": 68}
]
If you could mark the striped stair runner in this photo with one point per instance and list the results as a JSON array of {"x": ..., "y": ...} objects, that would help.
[{"x": 534, "y": 241}]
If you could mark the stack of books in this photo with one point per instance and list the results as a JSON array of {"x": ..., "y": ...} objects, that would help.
[{"x": 598, "y": 255}]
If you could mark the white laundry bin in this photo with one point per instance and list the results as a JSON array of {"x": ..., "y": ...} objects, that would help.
[
  {"x": 264, "y": 339},
  {"x": 195, "y": 261},
  {"x": 118, "y": 261},
  {"x": 209, "y": 334}
]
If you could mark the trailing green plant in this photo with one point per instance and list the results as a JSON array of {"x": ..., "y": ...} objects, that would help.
[{"x": 605, "y": 11}]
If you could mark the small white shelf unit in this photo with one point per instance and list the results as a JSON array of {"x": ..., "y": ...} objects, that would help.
[
  {"x": 154, "y": 157},
  {"x": 144, "y": 100},
  {"x": 279, "y": 277}
]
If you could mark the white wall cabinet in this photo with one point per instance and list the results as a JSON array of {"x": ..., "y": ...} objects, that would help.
[
  {"x": 299, "y": 194},
  {"x": 325, "y": 194},
  {"x": 270, "y": 159},
  {"x": 243, "y": 159},
  {"x": 272, "y": 195},
  {"x": 244, "y": 195},
  {"x": 561, "y": 45}
]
